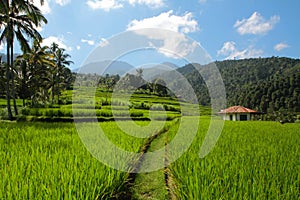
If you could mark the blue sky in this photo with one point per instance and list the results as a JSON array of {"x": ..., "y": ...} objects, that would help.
[{"x": 226, "y": 29}]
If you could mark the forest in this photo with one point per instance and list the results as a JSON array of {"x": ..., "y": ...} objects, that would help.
[{"x": 269, "y": 85}]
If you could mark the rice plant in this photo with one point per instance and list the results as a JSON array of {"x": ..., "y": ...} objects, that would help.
[{"x": 252, "y": 160}]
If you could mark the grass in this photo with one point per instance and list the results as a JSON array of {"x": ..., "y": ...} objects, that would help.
[
  {"x": 252, "y": 160},
  {"x": 48, "y": 161},
  {"x": 142, "y": 188}
]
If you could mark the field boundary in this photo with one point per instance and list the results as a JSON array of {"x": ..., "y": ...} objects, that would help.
[{"x": 168, "y": 177}]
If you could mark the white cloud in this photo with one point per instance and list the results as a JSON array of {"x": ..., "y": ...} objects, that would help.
[
  {"x": 228, "y": 47},
  {"x": 202, "y": 1},
  {"x": 149, "y": 3},
  {"x": 105, "y": 5},
  {"x": 256, "y": 24},
  {"x": 280, "y": 46},
  {"x": 58, "y": 40},
  {"x": 89, "y": 42},
  {"x": 177, "y": 47},
  {"x": 166, "y": 20},
  {"x": 230, "y": 50},
  {"x": 78, "y": 47},
  {"x": 173, "y": 45},
  {"x": 45, "y": 8},
  {"x": 62, "y": 2},
  {"x": 104, "y": 42}
]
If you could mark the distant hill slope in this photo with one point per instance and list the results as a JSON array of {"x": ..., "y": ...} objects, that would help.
[
  {"x": 106, "y": 67},
  {"x": 264, "y": 84},
  {"x": 4, "y": 57},
  {"x": 152, "y": 72}
]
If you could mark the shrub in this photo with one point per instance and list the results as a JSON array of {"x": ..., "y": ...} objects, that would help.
[{"x": 136, "y": 114}]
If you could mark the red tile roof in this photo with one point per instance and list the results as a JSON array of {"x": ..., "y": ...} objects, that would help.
[{"x": 237, "y": 109}]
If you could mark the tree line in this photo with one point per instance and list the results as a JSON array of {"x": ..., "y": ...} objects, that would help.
[
  {"x": 130, "y": 82},
  {"x": 40, "y": 73}
]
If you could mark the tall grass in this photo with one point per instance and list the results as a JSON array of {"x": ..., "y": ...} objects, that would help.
[
  {"x": 48, "y": 161},
  {"x": 252, "y": 160}
]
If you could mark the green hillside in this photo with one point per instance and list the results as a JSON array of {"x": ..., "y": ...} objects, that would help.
[{"x": 266, "y": 84}]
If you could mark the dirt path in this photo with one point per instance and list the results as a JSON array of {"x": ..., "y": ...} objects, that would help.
[{"x": 152, "y": 185}]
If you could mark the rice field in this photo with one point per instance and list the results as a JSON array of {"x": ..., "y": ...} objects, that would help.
[
  {"x": 251, "y": 160},
  {"x": 49, "y": 161}
]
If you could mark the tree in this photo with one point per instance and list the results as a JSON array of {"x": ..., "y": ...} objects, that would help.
[
  {"x": 60, "y": 58},
  {"x": 160, "y": 88},
  {"x": 19, "y": 20},
  {"x": 139, "y": 72},
  {"x": 34, "y": 67},
  {"x": 2, "y": 77}
]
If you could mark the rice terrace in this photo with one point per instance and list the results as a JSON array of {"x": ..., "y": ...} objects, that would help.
[{"x": 147, "y": 114}]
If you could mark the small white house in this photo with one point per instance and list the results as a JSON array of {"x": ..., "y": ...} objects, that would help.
[{"x": 237, "y": 113}]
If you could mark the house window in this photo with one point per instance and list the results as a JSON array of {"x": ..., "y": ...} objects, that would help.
[
  {"x": 231, "y": 118},
  {"x": 243, "y": 117}
]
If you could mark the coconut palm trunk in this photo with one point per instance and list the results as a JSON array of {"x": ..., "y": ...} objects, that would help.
[
  {"x": 13, "y": 89},
  {"x": 8, "y": 77}
]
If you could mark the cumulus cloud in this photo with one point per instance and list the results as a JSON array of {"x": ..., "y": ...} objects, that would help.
[
  {"x": 280, "y": 46},
  {"x": 173, "y": 45},
  {"x": 105, "y": 5},
  {"x": 256, "y": 24},
  {"x": 166, "y": 20},
  {"x": 230, "y": 50},
  {"x": 62, "y": 2},
  {"x": 58, "y": 40},
  {"x": 149, "y": 3},
  {"x": 89, "y": 42}
]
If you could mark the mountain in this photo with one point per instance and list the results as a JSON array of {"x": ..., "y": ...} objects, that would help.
[
  {"x": 4, "y": 58},
  {"x": 154, "y": 71},
  {"x": 265, "y": 84},
  {"x": 106, "y": 67}
]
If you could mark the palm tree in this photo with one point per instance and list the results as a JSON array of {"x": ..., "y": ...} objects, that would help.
[
  {"x": 61, "y": 60},
  {"x": 35, "y": 68},
  {"x": 18, "y": 19},
  {"x": 2, "y": 78}
]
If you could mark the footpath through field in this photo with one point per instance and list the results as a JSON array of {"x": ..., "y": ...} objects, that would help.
[{"x": 152, "y": 185}]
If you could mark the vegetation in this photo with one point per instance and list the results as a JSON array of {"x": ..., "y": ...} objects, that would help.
[
  {"x": 39, "y": 69},
  {"x": 265, "y": 84},
  {"x": 251, "y": 160},
  {"x": 17, "y": 18},
  {"x": 48, "y": 161}
]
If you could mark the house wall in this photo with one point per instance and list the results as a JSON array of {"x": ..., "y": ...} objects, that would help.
[{"x": 235, "y": 116}]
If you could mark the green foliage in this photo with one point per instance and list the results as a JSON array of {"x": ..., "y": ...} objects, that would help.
[
  {"x": 264, "y": 84},
  {"x": 251, "y": 160},
  {"x": 48, "y": 161}
]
